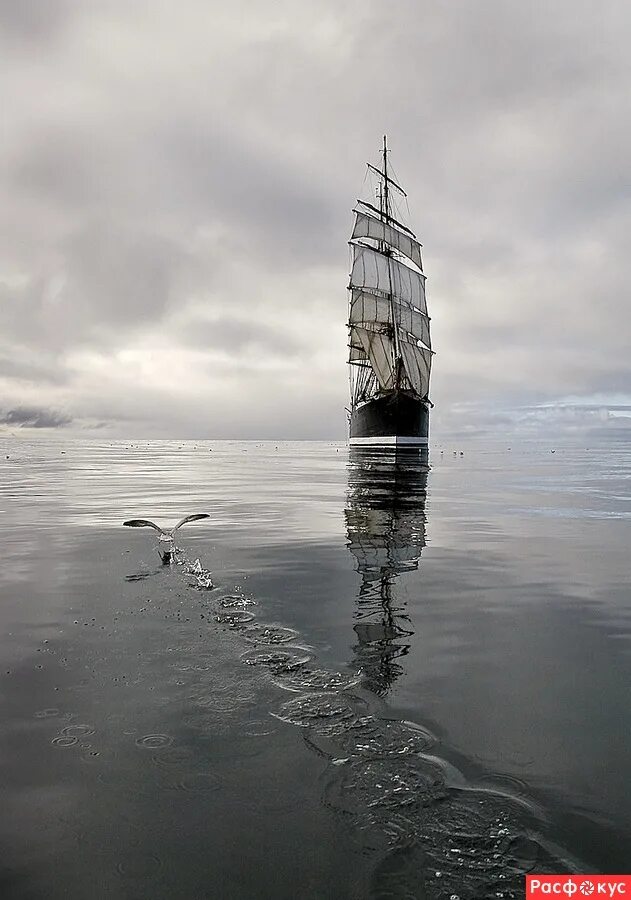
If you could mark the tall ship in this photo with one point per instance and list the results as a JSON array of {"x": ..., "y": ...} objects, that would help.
[{"x": 390, "y": 351}]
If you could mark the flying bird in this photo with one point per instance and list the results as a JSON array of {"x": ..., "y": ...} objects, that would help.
[{"x": 166, "y": 536}]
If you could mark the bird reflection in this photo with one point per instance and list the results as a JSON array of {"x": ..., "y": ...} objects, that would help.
[{"x": 385, "y": 525}]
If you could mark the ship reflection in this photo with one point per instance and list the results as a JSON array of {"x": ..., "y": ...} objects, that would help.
[{"x": 385, "y": 525}]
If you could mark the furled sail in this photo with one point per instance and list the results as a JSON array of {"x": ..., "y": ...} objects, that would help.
[{"x": 369, "y": 226}]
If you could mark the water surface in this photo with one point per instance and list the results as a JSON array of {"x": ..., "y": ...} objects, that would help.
[{"x": 405, "y": 682}]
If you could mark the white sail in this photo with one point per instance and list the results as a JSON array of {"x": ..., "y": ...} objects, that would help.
[
  {"x": 369, "y": 308},
  {"x": 417, "y": 363},
  {"x": 375, "y": 271},
  {"x": 411, "y": 322},
  {"x": 368, "y": 226},
  {"x": 379, "y": 350},
  {"x": 356, "y": 352}
]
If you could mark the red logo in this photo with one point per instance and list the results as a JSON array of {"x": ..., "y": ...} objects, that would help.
[{"x": 538, "y": 887}]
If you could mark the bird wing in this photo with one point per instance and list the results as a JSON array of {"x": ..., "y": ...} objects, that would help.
[
  {"x": 143, "y": 523},
  {"x": 192, "y": 518}
]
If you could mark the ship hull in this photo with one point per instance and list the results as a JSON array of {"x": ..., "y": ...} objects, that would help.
[{"x": 391, "y": 420}]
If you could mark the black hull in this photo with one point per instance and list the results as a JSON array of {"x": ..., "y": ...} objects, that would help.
[{"x": 394, "y": 419}]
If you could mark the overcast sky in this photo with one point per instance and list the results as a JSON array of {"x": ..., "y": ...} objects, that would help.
[{"x": 176, "y": 190}]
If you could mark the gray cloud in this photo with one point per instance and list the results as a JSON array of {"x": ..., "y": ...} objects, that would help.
[
  {"x": 32, "y": 19},
  {"x": 240, "y": 336},
  {"x": 179, "y": 182},
  {"x": 33, "y": 417},
  {"x": 108, "y": 280}
]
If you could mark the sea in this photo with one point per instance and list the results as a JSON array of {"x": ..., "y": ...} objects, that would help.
[{"x": 363, "y": 676}]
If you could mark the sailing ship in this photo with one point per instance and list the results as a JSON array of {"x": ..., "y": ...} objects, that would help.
[{"x": 390, "y": 352}]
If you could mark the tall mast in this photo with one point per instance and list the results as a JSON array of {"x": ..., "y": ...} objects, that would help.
[
  {"x": 385, "y": 178},
  {"x": 386, "y": 206}
]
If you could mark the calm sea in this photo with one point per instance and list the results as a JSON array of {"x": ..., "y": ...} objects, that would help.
[{"x": 362, "y": 678}]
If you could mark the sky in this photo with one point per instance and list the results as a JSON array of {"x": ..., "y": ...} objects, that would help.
[{"x": 176, "y": 188}]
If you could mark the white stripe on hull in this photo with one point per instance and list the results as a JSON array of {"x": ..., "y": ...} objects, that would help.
[{"x": 388, "y": 440}]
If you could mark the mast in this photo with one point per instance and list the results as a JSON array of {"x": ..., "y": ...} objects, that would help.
[
  {"x": 395, "y": 330},
  {"x": 385, "y": 177}
]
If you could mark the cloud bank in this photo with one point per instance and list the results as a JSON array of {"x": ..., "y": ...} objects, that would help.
[{"x": 177, "y": 181}]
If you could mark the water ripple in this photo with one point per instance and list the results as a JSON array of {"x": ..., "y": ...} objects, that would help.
[
  {"x": 269, "y": 634},
  {"x": 316, "y": 680},
  {"x": 322, "y": 711},
  {"x": 65, "y": 741},
  {"x": 373, "y": 737},
  {"x": 173, "y": 757},
  {"x": 285, "y": 660},
  {"x": 154, "y": 741},
  {"x": 197, "y": 782},
  {"x": 49, "y": 713},
  {"x": 140, "y": 865},
  {"x": 235, "y": 619},
  {"x": 77, "y": 730},
  {"x": 381, "y": 785},
  {"x": 236, "y": 601}
]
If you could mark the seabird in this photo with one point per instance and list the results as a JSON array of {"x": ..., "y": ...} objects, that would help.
[{"x": 166, "y": 537}]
